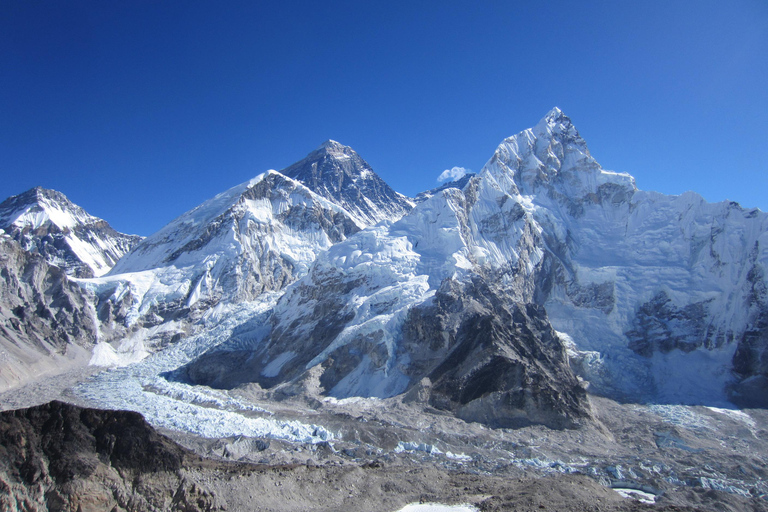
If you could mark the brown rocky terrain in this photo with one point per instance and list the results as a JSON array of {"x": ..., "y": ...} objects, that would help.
[{"x": 61, "y": 457}]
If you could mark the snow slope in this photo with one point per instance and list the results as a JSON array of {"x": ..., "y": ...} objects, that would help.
[
  {"x": 254, "y": 238},
  {"x": 662, "y": 287},
  {"x": 198, "y": 410}
]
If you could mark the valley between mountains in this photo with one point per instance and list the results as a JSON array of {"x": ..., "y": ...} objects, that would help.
[{"x": 528, "y": 337}]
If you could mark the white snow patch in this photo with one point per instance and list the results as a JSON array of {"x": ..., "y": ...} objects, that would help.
[
  {"x": 641, "y": 496},
  {"x": 437, "y": 507},
  {"x": 367, "y": 401},
  {"x": 680, "y": 415},
  {"x": 406, "y": 446},
  {"x": 104, "y": 355},
  {"x": 461, "y": 457},
  {"x": 274, "y": 366},
  {"x": 737, "y": 415}
]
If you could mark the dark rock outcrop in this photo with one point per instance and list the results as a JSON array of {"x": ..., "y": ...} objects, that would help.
[
  {"x": 339, "y": 174},
  {"x": 60, "y": 457},
  {"x": 662, "y": 326},
  {"x": 501, "y": 362},
  {"x": 750, "y": 361},
  {"x": 486, "y": 357}
]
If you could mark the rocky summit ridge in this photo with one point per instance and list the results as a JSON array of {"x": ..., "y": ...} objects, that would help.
[{"x": 337, "y": 173}]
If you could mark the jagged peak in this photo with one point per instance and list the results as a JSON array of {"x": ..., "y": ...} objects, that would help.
[
  {"x": 556, "y": 123},
  {"x": 332, "y": 144},
  {"x": 556, "y": 115},
  {"x": 36, "y": 194},
  {"x": 333, "y": 149},
  {"x": 57, "y": 207},
  {"x": 526, "y": 163},
  {"x": 328, "y": 151},
  {"x": 338, "y": 173}
]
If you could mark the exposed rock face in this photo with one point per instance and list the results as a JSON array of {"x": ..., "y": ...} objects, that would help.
[
  {"x": 500, "y": 363},
  {"x": 337, "y": 173},
  {"x": 750, "y": 361},
  {"x": 485, "y": 356},
  {"x": 630, "y": 273},
  {"x": 46, "y": 321},
  {"x": 661, "y": 326},
  {"x": 59, "y": 457},
  {"x": 324, "y": 313},
  {"x": 47, "y": 223}
]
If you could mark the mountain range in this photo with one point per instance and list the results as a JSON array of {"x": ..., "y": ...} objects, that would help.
[{"x": 504, "y": 298}]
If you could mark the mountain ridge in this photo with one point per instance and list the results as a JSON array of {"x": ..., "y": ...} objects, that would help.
[
  {"x": 635, "y": 284},
  {"x": 548, "y": 224},
  {"x": 47, "y": 222}
]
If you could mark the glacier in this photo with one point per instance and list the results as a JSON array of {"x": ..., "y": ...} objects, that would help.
[
  {"x": 500, "y": 297},
  {"x": 654, "y": 294}
]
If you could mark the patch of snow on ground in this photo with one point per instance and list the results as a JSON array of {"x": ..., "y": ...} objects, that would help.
[
  {"x": 737, "y": 415},
  {"x": 461, "y": 457},
  {"x": 104, "y": 355},
  {"x": 417, "y": 447},
  {"x": 641, "y": 496},
  {"x": 437, "y": 507},
  {"x": 680, "y": 415},
  {"x": 352, "y": 400}
]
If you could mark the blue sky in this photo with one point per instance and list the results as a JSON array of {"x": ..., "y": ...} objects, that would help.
[{"x": 139, "y": 111}]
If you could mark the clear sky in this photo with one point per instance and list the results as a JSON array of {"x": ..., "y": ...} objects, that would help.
[{"x": 140, "y": 110}]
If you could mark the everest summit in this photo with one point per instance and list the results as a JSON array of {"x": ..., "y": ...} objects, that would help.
[{"x": 337, "y": 173}]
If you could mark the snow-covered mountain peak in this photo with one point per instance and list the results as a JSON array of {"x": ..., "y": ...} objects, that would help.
[
  {"x": 38, "y": 206},
  {"x": 337, "y": 173},
  {"x": 555, "y": 117},
  {"x": 46, "y": 222},
  {"x": 552, "y": 162},
  {"x": 254, "y": 238},
  {"x": 557, "y": 125}
]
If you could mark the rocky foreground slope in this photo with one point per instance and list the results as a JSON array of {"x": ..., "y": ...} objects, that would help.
[{"x": 59, "y": 457}]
